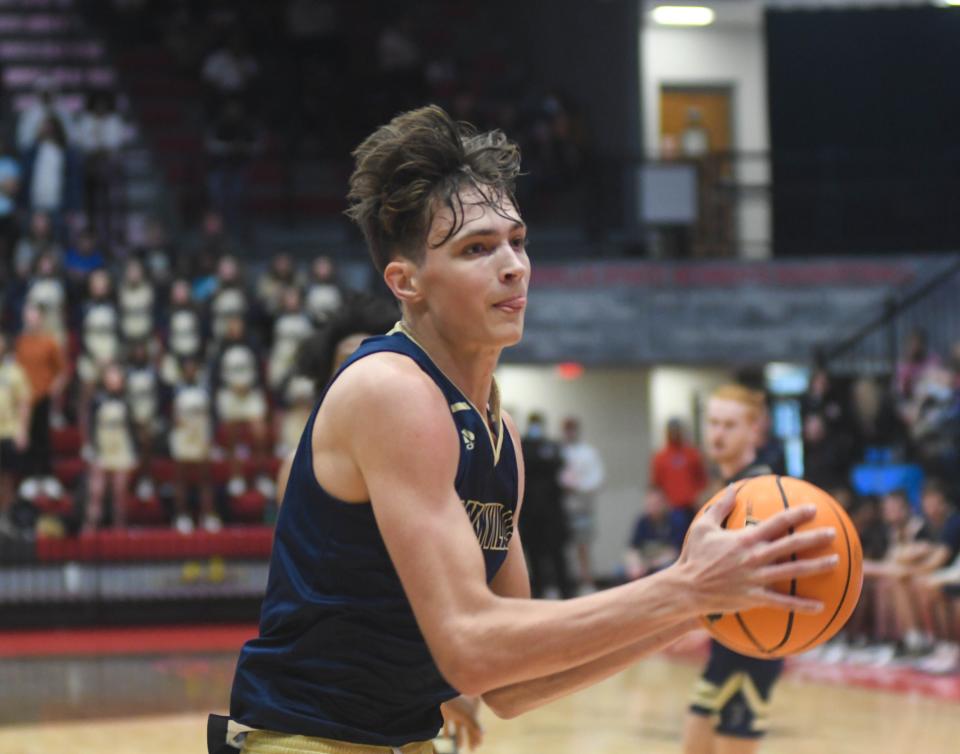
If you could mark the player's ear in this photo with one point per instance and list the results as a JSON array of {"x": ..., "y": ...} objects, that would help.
[{"x": 401, "y": 277}]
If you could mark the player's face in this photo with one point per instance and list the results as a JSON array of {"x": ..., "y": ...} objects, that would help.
[
  {"x": 474, "y": 284},
  {"x": 731, "y": 430}
]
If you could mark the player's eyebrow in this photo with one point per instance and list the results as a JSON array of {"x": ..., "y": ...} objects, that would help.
[{"x": 464, "y": 233}]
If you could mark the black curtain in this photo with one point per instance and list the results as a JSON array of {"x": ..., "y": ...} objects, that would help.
[{"x": 865, "y": 130}]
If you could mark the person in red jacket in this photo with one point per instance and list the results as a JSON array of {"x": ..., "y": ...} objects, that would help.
[{"x": 678, "y": 470}]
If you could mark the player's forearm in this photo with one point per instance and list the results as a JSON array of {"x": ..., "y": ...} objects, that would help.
[
  {"x": 507, "y": 641},
  {"x": 518, "y": 698}
]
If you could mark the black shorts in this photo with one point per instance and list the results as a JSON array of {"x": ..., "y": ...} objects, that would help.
[
  {"x": 10, "y": 457},
  {"x": 736, "y": 690}
]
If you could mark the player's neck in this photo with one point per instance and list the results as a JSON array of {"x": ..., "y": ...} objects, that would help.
[
  {"x": 469, "y": 368},
  {"x": 730, "y": 467}
]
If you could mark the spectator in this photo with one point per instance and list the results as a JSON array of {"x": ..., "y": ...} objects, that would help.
[
  {"x": 52, "y": 179},
  {"x": 9, "y": 191},
  {"x": 299, "y": 396},
  {"x": 84, "y": 257},
  {"x": 678, "y": 471},
  {"x": 290, "y": 329},
  {"x": 145, "y": 399},
  {"x": 38, "y": 240},
  {"x": 875, "y": 420},
  {"x": 191, "y": 443},
  {"x": 933, "y": 417},
  {"x": 656, "y": 539},
  {"x": 826, "y": 453},
  {"x": 281, "y": 275},
  {"x": 242, "y": 407},
  {"x": 185, "y": 336},
  {"x": 582, "y": 477},
  {"x": 42, "y": 359},
  {"x": 113, "y": 447},
  {"x": 230, "y": 299},
  {"x": 823, "y": 398},
  {"x": 14, "y": 428},
  {"x": 324, "y": 295},
  {"x": 136, "y": 300},
  {"x": 545, "y": 530},
  {"x": 47, "y": 291},
  {"x": 46, "y": 104},
  {"x": 230, "y": 70},
  {"x": 231, "y": 143},
  {"x": 917, "y": 358},
  {"x": 101, "y": 134},
  {"x": 99, "y": 331}
]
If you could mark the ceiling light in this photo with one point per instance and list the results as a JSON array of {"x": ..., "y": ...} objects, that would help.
[{"x": 685, "y": 15}]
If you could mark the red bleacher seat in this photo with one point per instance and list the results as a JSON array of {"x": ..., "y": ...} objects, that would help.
[
  {"x": 145, "y": 512},
  {"x": 68, "y": 469},
  {"x": 163, "y": 470},
  {"x": 159, "y": 545},
  {"x": 54, "y": 506},
  {"x": 248, "y": 507},
  {"x": 66, "y": 441}
]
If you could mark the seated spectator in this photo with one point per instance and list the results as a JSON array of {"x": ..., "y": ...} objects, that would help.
[
  {"x": 299, "y": 397},
  {"x": 113, "y": 447},
  {"x": 324, "y": 295},
  {"x": 47, "y": 292},
  {"x": 241, "y": 406},
  {"x": 146, "y": 401},
  {"x": 290, "y": 329},
  {"x": 280, "y": 275},
  {"x": 136, "y": 301},
  {"x": 230, "y": 299},
  {"x": 185, "y": 332},
  {"x": 84, "y": 257},
  {"x": 38, "y": 240},
  {"x": 191, "y": 442},
  {"x": 933, "y": 416},
  {"x": 14, "y": 428},
  {"x": 656, "y": 539},
  {"x": 827, "y": 456},
  {"x": 99, "y": 332}
]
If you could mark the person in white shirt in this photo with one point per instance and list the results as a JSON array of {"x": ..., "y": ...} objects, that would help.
[
  {"x": 582, "y": 477},
  {"x": 101, "y": 134}
]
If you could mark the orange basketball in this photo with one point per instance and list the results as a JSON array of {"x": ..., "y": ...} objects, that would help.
[{"x": 771, "y": 632}]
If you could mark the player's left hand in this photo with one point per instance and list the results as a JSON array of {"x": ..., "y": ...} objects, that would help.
[{"x": 460, "y": 721}]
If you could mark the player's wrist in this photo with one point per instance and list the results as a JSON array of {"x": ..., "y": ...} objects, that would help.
[{"x": 682, "y": 589}]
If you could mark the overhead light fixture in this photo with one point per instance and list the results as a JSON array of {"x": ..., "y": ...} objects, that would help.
[
  {"x": 952, "y": 3},
  {"x": 686, "y": 15}
]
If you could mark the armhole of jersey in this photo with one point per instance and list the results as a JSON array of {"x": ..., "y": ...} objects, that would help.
[{"x": 343, "y": 368}]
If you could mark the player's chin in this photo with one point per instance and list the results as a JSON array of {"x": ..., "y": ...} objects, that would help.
[{"x": 508, "y": 333}]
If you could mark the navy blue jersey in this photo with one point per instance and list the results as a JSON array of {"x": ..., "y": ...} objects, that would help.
[{"x": 339, "y": 653}]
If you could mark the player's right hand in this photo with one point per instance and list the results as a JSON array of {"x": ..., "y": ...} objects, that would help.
[{"x": 727, "y": 571}]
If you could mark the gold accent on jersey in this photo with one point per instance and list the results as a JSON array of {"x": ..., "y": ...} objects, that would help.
[
  {"x": 492, "y": 523},
  {"x": 496, "y": 443},
  {"x": 459, "y": 406}
]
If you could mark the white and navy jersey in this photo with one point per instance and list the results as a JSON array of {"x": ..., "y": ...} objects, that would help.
[
  {"x": 322, "y": 301},
  {"x": 99, "y": 334},
  {"x": 192, "y": 434},
  {"x": 143, "y": 393},
  {"x": 184, "y": 333},
  {"x": 225, "y": 304},
  {"x": 49, "y": 294},
  {"x": 112, "y": 432},
  {"x": 340, "y": 654},
  {"x": 237, "y": 367},
  {"x": 289, "y": 331},
  {"x": 136, "y": 304}
]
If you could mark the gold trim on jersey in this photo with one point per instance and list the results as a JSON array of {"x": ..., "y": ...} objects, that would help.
[
  {"x": 715, "y": 698},
  {"x": 268, "y": 742},
  {"x": 496, "y": 443},
  {"x": 460, "y": 406}
]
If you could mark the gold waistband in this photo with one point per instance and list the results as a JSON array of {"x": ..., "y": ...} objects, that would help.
[{"x": 268, "y": 742}]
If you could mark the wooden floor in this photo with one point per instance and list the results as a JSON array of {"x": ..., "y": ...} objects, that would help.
[{"x": 103, "y": 707}]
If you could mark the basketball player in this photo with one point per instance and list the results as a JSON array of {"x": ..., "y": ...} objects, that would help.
[
  {"x": 397, "y": 578},
  {"x": 728, "y": 710}
]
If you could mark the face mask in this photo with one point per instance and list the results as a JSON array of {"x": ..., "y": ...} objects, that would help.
[{"x": 535, "y": 432}]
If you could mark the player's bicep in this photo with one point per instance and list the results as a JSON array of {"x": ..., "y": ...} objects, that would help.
[
  {"x": 406, "y": 448},
  {"x": 513, "y": 580}
]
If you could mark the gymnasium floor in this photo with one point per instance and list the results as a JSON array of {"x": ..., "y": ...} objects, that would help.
[{"x": 85, "y": 692}]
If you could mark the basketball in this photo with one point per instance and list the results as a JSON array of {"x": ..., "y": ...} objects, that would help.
[{"x": 770, "y": 632}]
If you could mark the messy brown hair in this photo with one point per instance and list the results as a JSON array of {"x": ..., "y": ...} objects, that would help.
[{"x": 418, "y": 163}]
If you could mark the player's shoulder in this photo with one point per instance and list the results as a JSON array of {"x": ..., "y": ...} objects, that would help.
[{"x": 389, "y": 385}]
